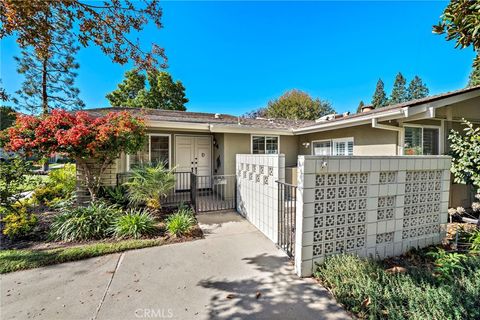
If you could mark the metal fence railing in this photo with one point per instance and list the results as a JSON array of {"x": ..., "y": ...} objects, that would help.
[
  {"x": 214, "y": 193},
  {"x": 204, "y": 193},
  {"x": 287, "y": 209},
  {"x": 181, "y": 193}
]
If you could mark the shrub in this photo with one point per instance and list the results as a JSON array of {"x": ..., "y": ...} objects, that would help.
[
  {"x": 149, "y": 184},
  {"x": 60, "y": 186},
  {"x": 365, "y": 288},
  {"x": 447, "y": 264},
  {"x": 475, "y": 241},
  {"x": 465, "y": 152},
  {"x": 134, "y": 224},
  {"x": 14, "y": 179},
  {"x": 181, "y": 222},
  {"x": 115, "y": 195},
  {"x": 19, "y": 223},
  {"x": 85, "y": 223}
]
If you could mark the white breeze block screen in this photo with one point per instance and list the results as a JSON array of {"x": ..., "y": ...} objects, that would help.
[
  {"x": 257, "y": 198},
  {"x": 369, "y": 206}
]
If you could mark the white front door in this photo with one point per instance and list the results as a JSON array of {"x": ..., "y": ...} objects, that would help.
[{"x": 194, "y": 154}]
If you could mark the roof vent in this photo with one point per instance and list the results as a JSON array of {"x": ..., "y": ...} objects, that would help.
[
  {"x": 345, "y": 114},
  {"x": 367, "y": 108},
  {"x": 218, "y": 116},
  {"x": 328, "y": 117}
]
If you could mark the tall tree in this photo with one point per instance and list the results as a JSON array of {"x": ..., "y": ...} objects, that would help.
[
  {"x": 298, "y": 105},
  {"x": 460, "y": 22},
  {"x": 474, "y": 78},
  {"x": 399, "y": 91},
  {"x": 7, "y": 114},
  {"x": 360, "y": 106},
  {"x": 162, "y": 91},
  {"x": 50, "y": 77},
  {"x": 4, "y": 96},
  {"x": 128, "y": 90},
  {"x": 417, "y": 89},
  {"x": 106, "y": 24},
  {"x": 379, "y": 98}
]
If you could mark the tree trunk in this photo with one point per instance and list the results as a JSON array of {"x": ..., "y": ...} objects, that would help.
[{"x": 93, "y": 180}]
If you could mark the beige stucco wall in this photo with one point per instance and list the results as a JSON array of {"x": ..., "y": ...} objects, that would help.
[
  {"x": 368, "y": 141},
  {"x": 229, "y": 145},
  {"x": 235, "y": 143},
  {"x": 289, "y": 147}
]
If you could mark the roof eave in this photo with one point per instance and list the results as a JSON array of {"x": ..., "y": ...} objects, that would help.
[{"x": 219, "y": 128}]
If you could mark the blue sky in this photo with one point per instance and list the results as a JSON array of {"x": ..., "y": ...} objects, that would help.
[{"x": 233, "y": 57}]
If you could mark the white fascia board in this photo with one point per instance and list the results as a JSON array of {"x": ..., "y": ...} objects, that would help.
[
  {"x": 207, "y": 127},
  {"x": 249, "y": 130},
  {"x": 185, "y": 126},
  {"x": 389, "y": 115},
  {"x": 377, "y": 125}
]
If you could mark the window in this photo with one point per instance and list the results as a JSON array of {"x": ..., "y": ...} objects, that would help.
[
  {"x": 264, "y": 145},
  {"x": 322, "y": 148},
  {"x": 421, "y": 141},
  {"x": 156, "y": 150},
  {"x": 336, "y": 147}
]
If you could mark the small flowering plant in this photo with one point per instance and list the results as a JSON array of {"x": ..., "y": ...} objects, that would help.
[{"x": 94, "y": 142}]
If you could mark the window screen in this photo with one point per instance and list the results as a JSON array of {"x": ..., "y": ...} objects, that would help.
[
  {"x": 322, "y": 148},
  {"x": 159, "y": 150},
  {"x": 264, "y": 145}
]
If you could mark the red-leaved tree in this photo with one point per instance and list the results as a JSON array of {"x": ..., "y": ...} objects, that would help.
[{"x": 94, "y": 142}]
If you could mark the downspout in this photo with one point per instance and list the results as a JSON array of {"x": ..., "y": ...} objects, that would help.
[{"x": 399, "y": 130}]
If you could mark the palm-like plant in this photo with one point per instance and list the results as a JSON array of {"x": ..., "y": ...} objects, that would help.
[{"x": 148, "y": 184}]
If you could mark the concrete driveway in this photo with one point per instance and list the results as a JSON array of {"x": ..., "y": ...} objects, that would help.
[{"x": 234, "y": 273}]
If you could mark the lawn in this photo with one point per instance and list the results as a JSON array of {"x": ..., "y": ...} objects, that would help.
[
  {"x": 413, "y": 290},
  {"x": 14, "y": 260}
]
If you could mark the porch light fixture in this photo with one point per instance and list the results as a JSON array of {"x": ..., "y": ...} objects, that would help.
[{"x": 306, "y": 145}]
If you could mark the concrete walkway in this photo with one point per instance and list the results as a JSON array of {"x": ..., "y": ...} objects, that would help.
[{"x": 234, "y": 273}]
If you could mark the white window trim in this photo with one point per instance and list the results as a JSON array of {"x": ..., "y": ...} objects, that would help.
[
  {"x": 324, "y": 140},
  {"x": 423, "y": 126},
  {"x": 150, "y": 148},
  {"x": 264, "y": 136},
  {"x": 332, "y": 143}
]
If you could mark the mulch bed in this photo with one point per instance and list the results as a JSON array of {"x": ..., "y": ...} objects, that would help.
[{"x": 39, "y": 240}]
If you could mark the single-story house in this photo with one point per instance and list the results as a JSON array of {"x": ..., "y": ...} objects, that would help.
[{"x": 207, "y": 143}]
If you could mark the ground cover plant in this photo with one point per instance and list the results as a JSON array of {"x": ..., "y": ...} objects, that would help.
[
  {"x": 432, "y": 283},
  {"x": 180, "y": 222}
]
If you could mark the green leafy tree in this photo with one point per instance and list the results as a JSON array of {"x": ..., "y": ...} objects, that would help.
[
  {"x": 7, "y": 114},
  {"x": 50, "y": 78},
  {"x": 465, "y": 152},
  {"x": 417, "y": 89},
  {"x": 360, "y": 106},
  {"x": 474, "y": 79},
  {"x": 399, "y": 91},
  {"x": 460, "y": 22},
  {"x": 298, "y": 105},
  {"x": 128, "y": 90},
  {"x": 14, "y": 176},
  {"x": 3, "y": 93},
  {"x": 379, "y": 98},
  {"x": 162, "y": 91},
  {"x": 7, "y": 117}
]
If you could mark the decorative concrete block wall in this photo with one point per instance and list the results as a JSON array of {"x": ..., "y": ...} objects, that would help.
[
  {"x": 257, "y": 190},
  {"x": 370, "y": 206}
]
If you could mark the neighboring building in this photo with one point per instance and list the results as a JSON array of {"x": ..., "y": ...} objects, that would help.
[{"x": 207, "y": 144}]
